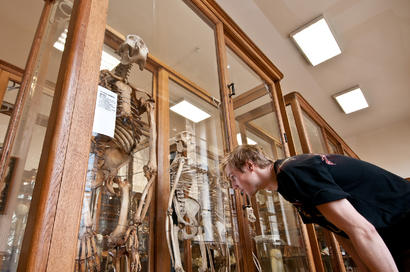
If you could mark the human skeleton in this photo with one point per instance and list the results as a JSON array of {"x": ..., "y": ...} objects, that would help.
[
  {"x": 111, "y": 154},
  {"x": 184, "y": 220}
]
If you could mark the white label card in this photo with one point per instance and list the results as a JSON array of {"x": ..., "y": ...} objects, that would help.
[{"x": 105, "y": 112}]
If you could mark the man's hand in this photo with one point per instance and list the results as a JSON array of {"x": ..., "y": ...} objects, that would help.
[{"x": 366, "y": 240}]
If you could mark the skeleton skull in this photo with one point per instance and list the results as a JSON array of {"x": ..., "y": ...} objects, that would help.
[{"x": 133, "y": 50}]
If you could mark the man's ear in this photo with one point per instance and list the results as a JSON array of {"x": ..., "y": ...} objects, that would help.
[{"x": 250, "y": 165}]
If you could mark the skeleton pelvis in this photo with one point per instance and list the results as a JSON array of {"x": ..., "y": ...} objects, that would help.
[{"x": 187, "y": 210}]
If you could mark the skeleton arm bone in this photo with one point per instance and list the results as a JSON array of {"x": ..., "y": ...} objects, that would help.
[
  {"x": 147, "y": 190},
  {"x": 176, "y": 181},
  {"x": 150, "y": 169}
]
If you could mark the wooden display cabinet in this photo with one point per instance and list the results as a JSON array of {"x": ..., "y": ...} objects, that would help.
[
  {"x": 312, "y": 134},
  {"x": 53, "y": 222}
]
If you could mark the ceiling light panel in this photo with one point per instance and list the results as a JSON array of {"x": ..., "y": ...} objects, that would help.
[
  {"x": 189, "y": 111},
  {"x": 351, "y": 100},
  {"x": 316, "y": 41}
]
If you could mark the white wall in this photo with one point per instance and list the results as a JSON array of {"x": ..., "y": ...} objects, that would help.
[{"x": 387, "y": 147}]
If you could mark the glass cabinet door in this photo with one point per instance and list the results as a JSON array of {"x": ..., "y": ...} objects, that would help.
[
  {"x": 277, "y": 234},
  {"x": 25, "y": 153},
  {"x": 315, "y": 136},
  {"x": 196, "y": 143}
]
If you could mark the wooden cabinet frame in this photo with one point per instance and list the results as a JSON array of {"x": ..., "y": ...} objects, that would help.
[
  {"x": 299, "y": 105},
  {"x": 50, "y": 241}
]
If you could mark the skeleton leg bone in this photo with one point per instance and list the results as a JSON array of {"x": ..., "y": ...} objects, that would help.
[
  {"x": 175, "y": 246},
  {"x": 170, "y": 225},
  {"x": 204, "y": 265},
  {"x": 121, "y": 228}
]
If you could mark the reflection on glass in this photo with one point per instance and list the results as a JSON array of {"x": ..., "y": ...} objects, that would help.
[
  {"x": 199, "y": 147},
  {"x": 279, "y": 246},
  {"x": 314, "y": 134},
  {"x": 295, "y": 134},
  {"x": 324, "y": 245},
  {"x": 172, "y": 43},
  {"x": 26, "y": 151},
  {"x": 333, "y": 148}
]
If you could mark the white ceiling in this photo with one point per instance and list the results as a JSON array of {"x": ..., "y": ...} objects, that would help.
[{"x": 375, "y": 40}]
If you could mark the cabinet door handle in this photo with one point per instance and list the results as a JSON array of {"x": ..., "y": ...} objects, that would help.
[{"x": 231, "y": 87}]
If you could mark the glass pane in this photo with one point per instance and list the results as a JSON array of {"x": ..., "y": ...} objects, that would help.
[
  {"x": 314, "y": 133},
  {"x": 187, "y": 44},
  {"x": 198, "y": 145},
  {"x": 324, "y": 246},
  {"x": 114, "y": 226},
  {"x": 26, "y": 151},
  {"x": 279, "y": 243},
  {"x": 295, "y": 134},
  {"x": 280, "y": 246}
]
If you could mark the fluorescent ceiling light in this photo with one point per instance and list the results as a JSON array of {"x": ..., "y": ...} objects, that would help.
[
  {"x": 190, "y": 111},
  {"x": 351, "y": 100},
  {"x": 59, "y": 44},
  {"x": 108, "y": 61},
  {"x": 249, "y": 140},
  {"x": 316, "y": 41}
]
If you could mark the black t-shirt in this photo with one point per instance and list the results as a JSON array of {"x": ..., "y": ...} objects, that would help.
[{"x": 307, "y": 180}]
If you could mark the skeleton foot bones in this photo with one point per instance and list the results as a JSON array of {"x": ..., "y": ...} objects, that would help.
[{"x": 110, "y": 155}]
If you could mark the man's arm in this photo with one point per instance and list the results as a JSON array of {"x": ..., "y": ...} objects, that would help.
[
  {"x": 348, "y": 246},
  {"x": 365, "y": 239}
]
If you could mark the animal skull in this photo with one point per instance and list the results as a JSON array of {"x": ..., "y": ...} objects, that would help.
[{"x": 133, "y": 50}]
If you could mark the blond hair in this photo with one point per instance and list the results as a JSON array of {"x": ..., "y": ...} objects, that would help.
[{"x": 243, "y": 153}]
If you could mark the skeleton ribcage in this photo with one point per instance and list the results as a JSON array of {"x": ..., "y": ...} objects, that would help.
[
  {"x": 190, "y": 181},
  {"x": 129, "y": 126}
]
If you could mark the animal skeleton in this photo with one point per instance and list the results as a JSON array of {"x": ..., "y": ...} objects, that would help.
[
  {"x": 184, "y": 212},
  {"x": 112, "y": 153},
  {"x": 182, "y": 175}
]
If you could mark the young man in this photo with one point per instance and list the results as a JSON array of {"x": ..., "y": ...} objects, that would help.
[{"x": 366, "y": 206}]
